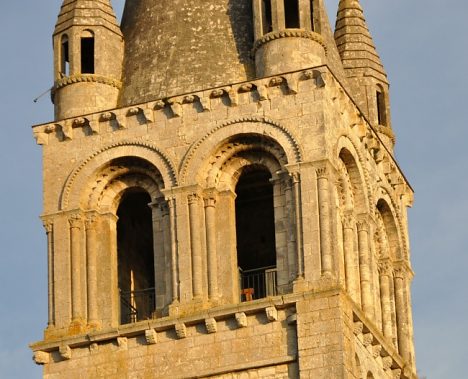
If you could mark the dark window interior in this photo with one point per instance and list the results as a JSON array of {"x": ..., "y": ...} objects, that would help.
[
  {"x": 87, "y": 55},
  {"x": 266, "y": 16},
  {"x": 255, "y": 224},
  {"x": 291, "y": 13},
  {"x": 65, "y": 64},
  {"x": 312, "y": 14},
  {"x": 135, "y": 257},
  {"x": 381, "y": 112}
]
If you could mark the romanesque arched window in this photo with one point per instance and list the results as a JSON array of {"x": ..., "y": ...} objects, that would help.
[
  {"x": 255, "y": 231},
  {"x": 87, "y": 52},
  {"x": 64, "y": 56},
  {"x": 135, "y": 257}
]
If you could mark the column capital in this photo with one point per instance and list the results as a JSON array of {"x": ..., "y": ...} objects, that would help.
[
  {"x": 295, "y": 177},
  {"x": 385, "y": 267},
  {"x": 362, "y": 224},
  {"x": 75, "y": 220},
  {"x": 348, "y": 220},
  {"x": 193, "y": 198},
  {"x": 322, "y": 172},
  {"x": 90, "y": 221},
  {"x": 48, "y": 225}
]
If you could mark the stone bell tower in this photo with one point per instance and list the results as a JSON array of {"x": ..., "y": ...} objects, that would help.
[{"x": 221, "y": 197}]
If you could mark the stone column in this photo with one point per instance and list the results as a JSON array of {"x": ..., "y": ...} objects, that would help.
[
  {"x": 257, "y": 21},
  {"x": 401, "y": 313},
  {"x": 195, "y": 243},
  {"x": 210, "y": 225},
  {"x": 49, "y": 228},
  {"x": 298, "y": 221},
  {"x": 384, "y": 276},
  {"x": 174, "y": 263},
  {"x": 324, "y": 220},
  {"x": 349, "y": 254},
  {"x": 91, "y": 269},
  {"x": 364, "y": 267},
  {"x": 75, "y": 250}
]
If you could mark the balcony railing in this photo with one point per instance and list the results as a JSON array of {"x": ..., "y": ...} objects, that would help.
[
  {"x": 258, "y": 283},
  {"x": 137, "y": 305}
]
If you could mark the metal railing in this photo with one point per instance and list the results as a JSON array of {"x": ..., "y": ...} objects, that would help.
[
  {"x": 137, "y": 305},
  {"x": 258, "y": 283}
]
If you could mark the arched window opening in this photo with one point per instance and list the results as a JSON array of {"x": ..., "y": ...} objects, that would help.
[
  {"x": 65, "y": 56},
  {"x": 87, "y": 53},
  {"x": 267, "y": 21},
  {"x": 255, "y": 227},
  {"x": 381, "y": 107},
  {"x": 291, "y": 14},
  {"x": 312, "y": 24},
  {"x": 135, "y": 257}
]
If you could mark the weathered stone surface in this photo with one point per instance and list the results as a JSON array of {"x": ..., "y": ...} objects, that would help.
[{"x": 333, "y": 263}]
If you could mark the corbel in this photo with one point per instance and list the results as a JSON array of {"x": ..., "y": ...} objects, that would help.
[
  {"x": 262, "y": 90},
  {"x": 293, "y": 83},
  {"x": 181, "y": 330},
  {"x": 41, "y": 357},
  {"x": 241, "y": 319},
  {"x": 233, "y": 96},
  {"x": 41, "y": 137},
  {"x": 176, "y": 106},
  {"x": 151, "y": 336},
  {"x": 67, "y": 129},
  {"x": 211, "y": 325},
  {"x": 272, "y": 314},
  {"x": 122, "y": 343},
  {"x": 65, "y": 352}
]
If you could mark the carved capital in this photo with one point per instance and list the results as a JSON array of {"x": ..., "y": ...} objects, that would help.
[
  {"x": 348, "y": 221},
  {"x": 90, "y": 221},
  {"x": 193, "y": 198},
  {"x": 151, "y": 336},
  {"x": 75, "y": 221},
  {"x": 385, "y": 267},
  {"x": 211, "y": 325},
  {"x": 322, "y": 172},
  {"x": 210, "y": 201},
  {"x": 295, "y": 177},
  {"x": 399, "y": 272},
  {"x": 241, "y": 319},
  {"x": 48, "y": 225},
  {"x": 362, "y": 225}
]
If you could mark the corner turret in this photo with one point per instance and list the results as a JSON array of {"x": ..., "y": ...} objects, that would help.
[
  {"x": 88, "y": 55},
  {"x": 364, "y": 69},
  {"x": 292, "y": 35}
]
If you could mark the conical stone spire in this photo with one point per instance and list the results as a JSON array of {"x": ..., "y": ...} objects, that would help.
[
  {"x": 355, "y": 44},
  {"x": 87, "y": 13},
  {"x": 366, "y": 74}
]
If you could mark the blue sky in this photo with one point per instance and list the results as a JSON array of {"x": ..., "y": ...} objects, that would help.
[{"x": 423, "y": 44}]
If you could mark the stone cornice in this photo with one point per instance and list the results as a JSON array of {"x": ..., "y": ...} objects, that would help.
[
  {"x": 86, "y": 78},
  {"x": 289, "y": 33}
]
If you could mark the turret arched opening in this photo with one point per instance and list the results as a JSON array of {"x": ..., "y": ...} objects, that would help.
[
  {"x": 255, "y": 233},
  {"x": 135, "y": 257},
  {"x": 87, "y": 49}
]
